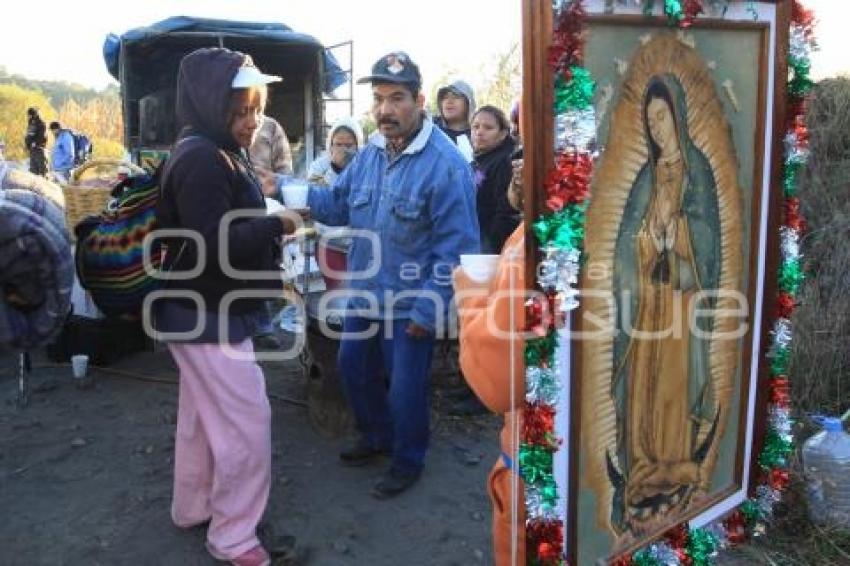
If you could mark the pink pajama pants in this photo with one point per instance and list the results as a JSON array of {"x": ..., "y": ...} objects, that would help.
[{"x": 222, "y": 462}]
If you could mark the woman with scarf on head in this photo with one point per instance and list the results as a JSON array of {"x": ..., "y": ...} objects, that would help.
[
  {"x": 222, "y": 467},
  {"x": 345, "y": 139}
]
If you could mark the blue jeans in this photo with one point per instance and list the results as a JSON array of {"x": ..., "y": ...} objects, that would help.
[
  {"x": 397, "y": 416},
  {"x": 264, "y": 320}
]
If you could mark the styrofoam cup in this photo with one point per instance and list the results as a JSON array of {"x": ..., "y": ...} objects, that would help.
[
  {"x": 80, "y": 365},
  {"x": 273, "y": 206},
  {"x": 479, "y": 267},
  {"x": 295, "y": 194}
]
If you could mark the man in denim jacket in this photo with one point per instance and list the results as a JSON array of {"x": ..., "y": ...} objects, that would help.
[{"x": 411, "y": 194}]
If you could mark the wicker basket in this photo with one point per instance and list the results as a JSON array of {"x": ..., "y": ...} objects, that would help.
[{"x": 86, "y": 200}]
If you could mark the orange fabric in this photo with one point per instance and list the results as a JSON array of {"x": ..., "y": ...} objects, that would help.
[
  {"x": 499, "y": 488},
  {"x": 487, "y": 343},
  {"x": 486, "y": 339}
]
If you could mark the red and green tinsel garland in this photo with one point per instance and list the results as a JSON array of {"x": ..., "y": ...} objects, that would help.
[{"x": 560, "y": 234}]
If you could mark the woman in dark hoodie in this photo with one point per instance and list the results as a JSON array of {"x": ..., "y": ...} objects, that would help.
[
  {"x": 222, "y": 464},
  {"x": 493, "y": 147}
]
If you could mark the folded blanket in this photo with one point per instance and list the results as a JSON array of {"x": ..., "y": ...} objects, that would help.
[{"x": 36, "y": 263}]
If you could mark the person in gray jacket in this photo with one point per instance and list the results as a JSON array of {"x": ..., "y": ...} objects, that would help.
[{"x": 455, "y": 107}]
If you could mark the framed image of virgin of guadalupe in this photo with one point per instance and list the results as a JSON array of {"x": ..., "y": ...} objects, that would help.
[{"x": 680, "y": 249}]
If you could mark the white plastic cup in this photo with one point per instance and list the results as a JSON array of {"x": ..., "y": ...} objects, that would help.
[
  {"x": 295, "y": 194},
  {"x": 80, "y": 366},
  {"x": 479, "y": 267},
  {"x": 273, "y": 206}
]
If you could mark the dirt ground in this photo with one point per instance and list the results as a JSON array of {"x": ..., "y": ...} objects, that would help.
[{"x": 85, "y": 477}]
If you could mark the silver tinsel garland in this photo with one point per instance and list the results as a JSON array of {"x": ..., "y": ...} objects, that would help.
[
  {"x": 766, "y": 499},
  {"x": 575, "y": 129},
  {"x": 536, "y": 507},
  {"x": 800, "y": 47},
  {"x": 779, "y": 419},
  {"x": 782, "y": 334},
  {"x": 559, "y": 271},
  {"x": 795, "y": 152},
  {"x": 789, "y": 243},
  {"x": 541, "y": 385},
  {"x": 661, "y": 553}
]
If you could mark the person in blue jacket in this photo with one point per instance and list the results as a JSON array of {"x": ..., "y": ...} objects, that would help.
[
  {"x": 62, "y": 155},
  {"x": 411, "y": 194}
]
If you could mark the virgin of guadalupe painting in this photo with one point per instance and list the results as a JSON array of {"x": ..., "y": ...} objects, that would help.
[
  {"x": 665, "y": 225},
  {"x": 668, "y": 250}
]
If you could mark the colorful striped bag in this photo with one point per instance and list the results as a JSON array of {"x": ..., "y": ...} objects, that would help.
[{"x": 109, "y": 255}]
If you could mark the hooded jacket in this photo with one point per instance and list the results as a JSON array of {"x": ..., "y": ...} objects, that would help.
[
  {"x": 207, "y": 176},
  {"x": 464, "y": 89},
  {"x": 36, "y": 132},
  {"x": 322, "y": 170}
]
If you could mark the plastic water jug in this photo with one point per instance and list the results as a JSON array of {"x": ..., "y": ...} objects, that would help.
[{"x": 826, "y": 462}]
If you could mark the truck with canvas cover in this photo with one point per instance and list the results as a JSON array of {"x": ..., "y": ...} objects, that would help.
[{"x": 145, "y": 61}]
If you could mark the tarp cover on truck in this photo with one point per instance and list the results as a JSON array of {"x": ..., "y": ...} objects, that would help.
[{"x": 150, "y": 36}]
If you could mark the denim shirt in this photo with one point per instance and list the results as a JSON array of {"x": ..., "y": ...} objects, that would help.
[{"x": 420, "y": 210}]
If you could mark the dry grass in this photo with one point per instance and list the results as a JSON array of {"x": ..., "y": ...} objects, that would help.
[
  {"x": 820, "y": 364},
  {"x": 793, "y": 540}
]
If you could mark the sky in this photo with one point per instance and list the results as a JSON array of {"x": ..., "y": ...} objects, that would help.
[
  {"x": 68, "y": 44},
  {"x": 60, "y": 40}
]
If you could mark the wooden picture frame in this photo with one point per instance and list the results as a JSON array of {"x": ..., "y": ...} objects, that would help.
[{"x": 769, "y": 22}]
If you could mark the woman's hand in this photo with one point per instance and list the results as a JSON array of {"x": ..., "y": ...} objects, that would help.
[
  {"x": 515, "y": 192},
  {"x": 341, "y": 156},
  {"x": 317, "y": 180},
  {"x": 516, "y": 172},
  {"x": 293, "y": 219},
  {"x": 268, "y": 182}
]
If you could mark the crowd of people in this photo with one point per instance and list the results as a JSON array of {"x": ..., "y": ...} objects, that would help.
[{"x": 425, "y": 190}]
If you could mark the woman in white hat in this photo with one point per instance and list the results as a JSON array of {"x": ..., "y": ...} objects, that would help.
[{"x": 222, "y": 466}]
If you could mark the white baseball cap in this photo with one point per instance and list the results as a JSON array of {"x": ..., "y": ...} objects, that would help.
[{"x": 246, "y": 77}]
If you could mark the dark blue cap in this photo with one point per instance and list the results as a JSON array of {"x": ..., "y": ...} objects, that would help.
[{"x": 395, "y": 67}]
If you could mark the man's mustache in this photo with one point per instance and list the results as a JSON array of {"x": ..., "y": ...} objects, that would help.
[{"x": 388, "y": 121}]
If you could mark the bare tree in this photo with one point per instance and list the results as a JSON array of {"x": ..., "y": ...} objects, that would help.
[
  {"x": 498, "y": 81},
  {"x": 505, "y": 84}
]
